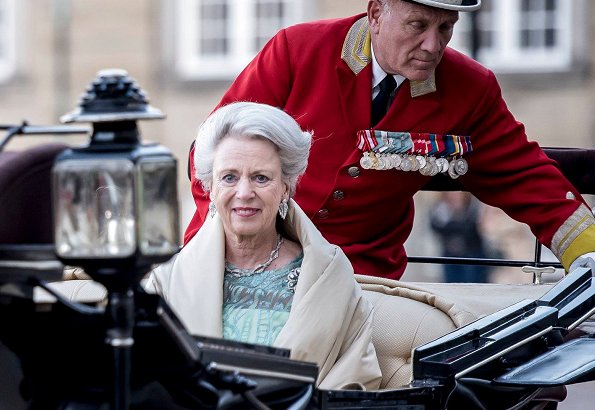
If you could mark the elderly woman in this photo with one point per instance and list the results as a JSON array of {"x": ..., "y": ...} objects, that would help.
[{"x": 258, "y": 271}]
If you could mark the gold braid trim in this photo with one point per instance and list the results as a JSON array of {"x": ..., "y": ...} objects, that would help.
[
  {"x": 356, "y": 50},
  {"x": 575, "y": 237},
  {"x": 419, "y": 88}
]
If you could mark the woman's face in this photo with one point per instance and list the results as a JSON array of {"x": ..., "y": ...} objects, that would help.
[{"x": 247, "y": 186}]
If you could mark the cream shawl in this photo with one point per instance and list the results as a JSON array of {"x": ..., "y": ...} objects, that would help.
[{"x": 330, "y": 323}]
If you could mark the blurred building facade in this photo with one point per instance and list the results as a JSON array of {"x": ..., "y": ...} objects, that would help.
[{"x": 185, "y": 53}]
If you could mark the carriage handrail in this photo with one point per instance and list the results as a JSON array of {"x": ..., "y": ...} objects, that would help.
[{"x": 25, "y": 129}]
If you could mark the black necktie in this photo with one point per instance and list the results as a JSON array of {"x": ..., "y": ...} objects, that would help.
[{"x": 380, "y": 103}]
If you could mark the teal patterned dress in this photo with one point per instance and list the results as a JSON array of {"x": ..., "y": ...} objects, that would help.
[{"x": 256, "y": 307}]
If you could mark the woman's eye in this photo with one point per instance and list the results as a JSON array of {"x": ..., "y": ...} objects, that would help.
[
  {"x": 261, "y": 179},
  {"x": 229, "y": 178}
]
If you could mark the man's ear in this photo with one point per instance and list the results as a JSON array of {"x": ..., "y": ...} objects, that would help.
[{"x": 374, "y": 12}]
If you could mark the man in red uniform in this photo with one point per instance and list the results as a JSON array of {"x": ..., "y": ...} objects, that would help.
[{"x": 446, "y": 115}]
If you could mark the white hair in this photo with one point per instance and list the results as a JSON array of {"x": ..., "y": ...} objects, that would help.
[{"x": 257, "y": 121}]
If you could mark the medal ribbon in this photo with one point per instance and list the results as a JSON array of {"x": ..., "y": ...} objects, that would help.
[{"x": 414, "y": 143}]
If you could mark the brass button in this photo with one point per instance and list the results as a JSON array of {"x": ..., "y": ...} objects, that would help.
[
  {"x": 338, "y": 195},
  {"x": 323, "y": 213},
  {"x": 353, "y": 172}
]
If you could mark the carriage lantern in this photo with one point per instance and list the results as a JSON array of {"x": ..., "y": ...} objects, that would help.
[{"x": 115, "y": 200}]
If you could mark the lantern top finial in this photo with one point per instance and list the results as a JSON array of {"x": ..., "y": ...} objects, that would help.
[{"x": 113, "y": 96}]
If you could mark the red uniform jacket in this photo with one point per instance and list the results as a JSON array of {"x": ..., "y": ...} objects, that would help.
[{"x": 321, "y": 75}]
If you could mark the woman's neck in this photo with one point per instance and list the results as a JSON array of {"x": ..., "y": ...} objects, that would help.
[{"x": 250, "y": 252}]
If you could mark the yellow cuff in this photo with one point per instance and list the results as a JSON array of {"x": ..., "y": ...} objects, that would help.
[{"x": 583, "y": 243}]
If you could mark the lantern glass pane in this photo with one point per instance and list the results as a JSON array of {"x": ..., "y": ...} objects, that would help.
[
  {"x": 94, "y": 208},
  {"x": 158, "y": 207}
]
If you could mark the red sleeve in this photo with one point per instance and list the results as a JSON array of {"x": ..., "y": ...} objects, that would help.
[
  {"x": 201, "y": 199},
  {"x": 513, "y": 173}
]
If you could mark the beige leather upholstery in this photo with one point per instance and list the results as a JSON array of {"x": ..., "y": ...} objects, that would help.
[
  {"x": 407, "y": 315},
  {"x": 73, "y": 272},
  {"x": 400, "y": 324},
  {"x": 76, "y": 290}
]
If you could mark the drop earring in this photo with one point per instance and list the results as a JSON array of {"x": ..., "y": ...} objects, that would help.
[
  {"x": 212, "y": 209},
  {"x": 283, "y": 207}
]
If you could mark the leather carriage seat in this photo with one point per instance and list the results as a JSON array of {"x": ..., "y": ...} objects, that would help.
[
  {"x": 25, "y": 194},
  {"x": 74, "y": 290},
  {"x": 408, "y": 314}
]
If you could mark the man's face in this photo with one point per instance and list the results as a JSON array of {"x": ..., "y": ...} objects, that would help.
[{"x": 408, "y": 38}]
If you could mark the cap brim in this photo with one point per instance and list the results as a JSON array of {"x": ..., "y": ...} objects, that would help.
[{"x": 437, "y": 4}]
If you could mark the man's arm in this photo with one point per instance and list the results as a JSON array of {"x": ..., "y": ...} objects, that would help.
[{"x": 514, "y": 174}]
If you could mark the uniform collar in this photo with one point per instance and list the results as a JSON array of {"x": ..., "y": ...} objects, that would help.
[{"x": 357, "y": 54}]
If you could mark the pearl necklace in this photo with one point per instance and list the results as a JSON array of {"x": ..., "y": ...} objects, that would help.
[{"x": 239, "y": 272}]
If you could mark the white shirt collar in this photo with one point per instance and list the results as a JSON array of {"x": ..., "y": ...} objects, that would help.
[{"x": 378, "y": 73}]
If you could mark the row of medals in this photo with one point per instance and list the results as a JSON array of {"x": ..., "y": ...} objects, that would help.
[{"x": 427, "y": 166}]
